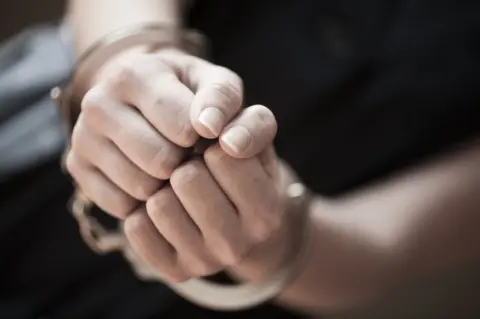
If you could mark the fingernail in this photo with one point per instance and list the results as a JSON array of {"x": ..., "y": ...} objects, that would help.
[
  {"x": 213, "y": 119},
  {"x": 237, "y": 139}
]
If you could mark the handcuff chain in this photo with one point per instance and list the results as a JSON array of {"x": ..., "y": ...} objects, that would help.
[{"x": 93, "y": 233}]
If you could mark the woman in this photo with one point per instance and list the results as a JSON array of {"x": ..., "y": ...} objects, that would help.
[{"x": 372, "y": 102}]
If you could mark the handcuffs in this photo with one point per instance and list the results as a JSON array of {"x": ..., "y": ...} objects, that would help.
[{"x": 102, "y": 241}]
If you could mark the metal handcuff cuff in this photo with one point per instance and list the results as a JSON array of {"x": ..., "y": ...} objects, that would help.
[{"x": 100, "y": 240}]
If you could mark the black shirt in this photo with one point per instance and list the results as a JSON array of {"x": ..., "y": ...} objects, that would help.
[
  {"x": 360, "y": 89},
  {"x": 381, "y": 82}
]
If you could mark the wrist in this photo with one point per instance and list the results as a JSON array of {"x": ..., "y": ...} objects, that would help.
[
  {"x": 283, "y": 248},
  {"x": 266, "y": 259},
  {"x": 109, "y": 53},
  {"x": 116, "y": 62}
]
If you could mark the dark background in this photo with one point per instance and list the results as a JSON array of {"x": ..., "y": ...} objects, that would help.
[{"x": 18, "y": 14}]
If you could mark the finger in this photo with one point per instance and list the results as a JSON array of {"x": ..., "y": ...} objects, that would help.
[
  {"x": 249, "y": 133},
  {"x": 98, "y": 188},
  {"x": 151, "y": 247},
  {"x": 107, "y": 158},
  {"x": 211, "y": 210},
  {"x": 249, "y": 188},
  {"x": 132, "y": 134},
  {"x": 176, "y": 226},
  {"x": 154, "y": 88},
  {"x": 218, "y": 98}
]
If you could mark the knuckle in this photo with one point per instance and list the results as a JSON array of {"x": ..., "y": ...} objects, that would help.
[
  {"x": 123, "y": 206},
  {"x": 260, "y": 231},
  {"x": 77, "y": 136},
  {"x": 94, "y": 97},
  {"x": 161, "y": 97},
  {"x": 187, "y": 136},
  {"x": 272, "y": 205},
  {"x": 180, "y": 128},
  {"x": 164, "y": 161},
  {"x": 145, "y": 187},
  {"x": 266, "y": 117},
  {"x": 273, "y": 214},
  {"x": 227, "y": 94},
  {"x": 158, "y": 98},
  {"x": 165, "y": 76},
  {"x": 71, "y": 163},
  {"x": 229, "y": 86},
  {"x": 275, "y": 223},
  {"x": 266, "y": 224},
  {"x": 233, "y": 82},
  {"x": 92, "y": 102},
  {"x": 125, "y": 75},
  {"x": 187, "y": 174},
  {"x": 215, "y": 155},
  {"x": 230, "y": 254},
  {"x": 159, "y": 204},
  {"x": 135, "y": 224}
]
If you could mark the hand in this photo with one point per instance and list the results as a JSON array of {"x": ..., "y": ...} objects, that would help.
[
  {"x": 215, "y": 211},
  {"x": 141, "y": 112}
]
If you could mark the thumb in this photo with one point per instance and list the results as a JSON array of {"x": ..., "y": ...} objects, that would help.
[
  {"x": 250, "y": 133},
  {"x": 218, "y": 98}
]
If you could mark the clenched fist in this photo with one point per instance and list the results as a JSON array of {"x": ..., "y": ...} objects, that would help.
[
  {"x": 143, "y": 111},
  {"x": 137, "y": 120},
  {"x": 214, "y": 212}
]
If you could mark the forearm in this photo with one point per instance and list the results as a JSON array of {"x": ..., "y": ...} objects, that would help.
[
  {"x": 364, "y": 245},
  {"x": 90, "y": 20},
  {"x": 414, "y": 225}
]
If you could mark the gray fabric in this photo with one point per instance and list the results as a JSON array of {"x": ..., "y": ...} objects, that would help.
[{"x": 31, "y": 131}]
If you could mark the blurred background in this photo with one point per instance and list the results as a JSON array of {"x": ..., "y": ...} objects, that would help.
[{"x": 18, "y": 14}]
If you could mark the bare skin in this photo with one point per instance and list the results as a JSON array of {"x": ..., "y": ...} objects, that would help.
[{"x": 226, "y": 210}]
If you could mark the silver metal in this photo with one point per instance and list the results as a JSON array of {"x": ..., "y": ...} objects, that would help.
[{"x": 201, "y": 292}]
